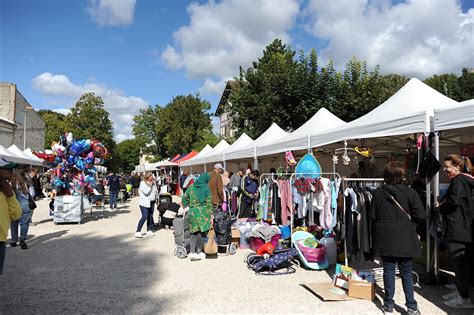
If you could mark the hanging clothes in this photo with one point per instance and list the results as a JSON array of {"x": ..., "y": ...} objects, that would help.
[{"x": 286, "y": 200}]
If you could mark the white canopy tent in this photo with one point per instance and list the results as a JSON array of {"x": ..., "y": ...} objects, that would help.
[
  {"x": 241, "y": 142},
  {"x": 454, "y": 117},
  {"x": 202, "y": 158},
  {"x": 15, "y": 150},
  {"x": 300, "y": 138},
  {"x": 30, "y": 154},
  {"x": 11, "y": 157},
  {"x": 407, "y": 111},
  {"x": 198, "y": 156},
  {"x": 271, "y": 135}
]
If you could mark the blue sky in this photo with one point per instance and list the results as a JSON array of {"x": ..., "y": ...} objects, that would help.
[{"x": 135, "y": 53}]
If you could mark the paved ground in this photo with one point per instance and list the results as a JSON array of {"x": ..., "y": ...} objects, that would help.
[{"x": 98, "y": 267}]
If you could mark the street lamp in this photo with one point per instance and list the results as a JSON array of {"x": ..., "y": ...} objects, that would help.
[{"x": 24, "y": 126}]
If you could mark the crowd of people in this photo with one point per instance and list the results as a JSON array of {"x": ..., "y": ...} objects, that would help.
[{"x": 395, "y": 211}]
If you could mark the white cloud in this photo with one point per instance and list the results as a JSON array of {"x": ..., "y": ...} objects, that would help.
[
  {"x": 212, "y": 87},
  {"x": 111, "y": 12},
  {"x": 416, "y": 38},
  {"x": 121, "y": 107},
  {"x": 223, "y": 35},
  {"x": 63, "y": 111}
]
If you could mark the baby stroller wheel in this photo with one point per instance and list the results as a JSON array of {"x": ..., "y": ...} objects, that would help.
[
  {"x": 181, "y": 252},
  {"x": 232, "y": 249}
]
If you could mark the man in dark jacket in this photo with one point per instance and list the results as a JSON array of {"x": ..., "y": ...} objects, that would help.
[
  {"x": 249, "y": 194},
  {"x": 135, "y": 181},
  {"x": 182, "y": 180}
]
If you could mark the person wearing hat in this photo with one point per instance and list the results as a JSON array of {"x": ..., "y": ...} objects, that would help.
[
  {"x": 216, "y": 185},
  {"x": 10, "y": 209}
]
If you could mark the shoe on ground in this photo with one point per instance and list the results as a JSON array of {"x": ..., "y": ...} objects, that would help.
[
  {"x": 451, "y": 286},
  {"x": 194, "y": 257},
  {"x": 450, "y": 295},
  {"x": 13, "y": 244},
  {"x": 202, "y": 255},
  {"x": 413, "y": 312},
  {"x": 150, "y": 233},
  {"x": 138, "y": 235},
  {"x": 387, "y": 309},
  {"x": 23, "y": 245},
  {"x": 460, "y": 302}
]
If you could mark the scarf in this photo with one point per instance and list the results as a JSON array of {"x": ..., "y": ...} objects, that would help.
[{"x": 201, "y": 187}]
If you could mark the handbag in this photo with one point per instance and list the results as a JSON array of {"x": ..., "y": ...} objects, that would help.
[
  {"x": 31, "y": 203},
  {"x": 210, "y": 247}
]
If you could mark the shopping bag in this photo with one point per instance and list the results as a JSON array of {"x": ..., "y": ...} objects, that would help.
[{"x": 210, "y": 247}]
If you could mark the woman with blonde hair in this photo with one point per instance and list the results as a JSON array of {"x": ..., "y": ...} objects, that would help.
[
  {"x": 20, "y": 186},
  {"x": 144, "y": 192},
  {"x": 457, "y": 208}
]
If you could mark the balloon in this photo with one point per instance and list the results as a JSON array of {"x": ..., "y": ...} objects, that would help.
[
  {"x": 79, "y": 146},
  {"x": 47, "y": 157},
  {"x": 80, "y": 165},
  {"x": 48, "y": 151},
  {"x": 69, "y": 138}
]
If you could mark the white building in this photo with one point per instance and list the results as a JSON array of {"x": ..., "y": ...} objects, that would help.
[{"x": 222, "y": 111}]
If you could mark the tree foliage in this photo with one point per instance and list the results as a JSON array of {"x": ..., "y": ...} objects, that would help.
[
  {"x": 127, "y": 154},
  {"x": 458, "y": 88},
  {"x": 182, "y": 125},
  {"x": 89, "y": 119},
  {"x": 288, "y": 91},
  {"x": 55, "y": 126}
]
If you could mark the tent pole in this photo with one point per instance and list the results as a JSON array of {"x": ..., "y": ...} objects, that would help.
[
  {"x": 435, "y": 197},
  {"x": 428, "y": 208},
  {"x": 223, "y": 160},
  {"x": 255, "y": 159}
]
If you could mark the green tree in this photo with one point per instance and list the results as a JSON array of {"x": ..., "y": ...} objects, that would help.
[
  {"x": 466, "y": 84},
  {"x": 55, "y": 126},
  {"x": 128, "y": 154},
  {"x": 89, "y": 119},
  {"x": 446, "y": 84},
  {"x": 183, "y": 123},
  {"x": 145, "y": 129}
]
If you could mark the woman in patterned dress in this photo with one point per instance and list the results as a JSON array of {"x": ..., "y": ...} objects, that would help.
[{"x": 200, "y": 216}]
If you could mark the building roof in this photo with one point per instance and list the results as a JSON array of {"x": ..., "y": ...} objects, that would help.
[{"x": 229, "y": 87}]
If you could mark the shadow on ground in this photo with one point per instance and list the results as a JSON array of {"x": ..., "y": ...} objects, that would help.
[{"x": 61, "y": 273}]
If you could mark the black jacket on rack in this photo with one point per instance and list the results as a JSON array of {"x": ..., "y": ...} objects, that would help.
[
  {"x": 393, "y": 232},
  {"x": 457, "y": 209}
]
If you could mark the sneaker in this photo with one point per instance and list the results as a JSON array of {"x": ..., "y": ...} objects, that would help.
[
  {"x": 150, "y": 233},
  {"x": 13, "y": 244},
  {"x": 202, "y": 255},
  {"x": 459, "y": 302},
  {"x": 23, "y": 245},
  {"x": 138, "y": 235},
  {"x": 450, "y": 295},
  {"x": 411, "y": 311},
  {"x": 451, "y": 286},
  {"x": 387, "y": 309},
  {"x": 194, "y": 257}
]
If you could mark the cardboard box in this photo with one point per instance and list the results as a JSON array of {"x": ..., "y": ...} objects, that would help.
[
  {"x": 362, "y": 290},
  {"x": 235, "y": 233}
]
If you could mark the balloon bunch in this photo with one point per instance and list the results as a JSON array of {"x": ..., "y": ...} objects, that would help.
[{"x": 72, "y": 162}]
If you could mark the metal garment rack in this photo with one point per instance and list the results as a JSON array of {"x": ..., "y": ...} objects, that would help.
[{"x": 354, "y": 180}]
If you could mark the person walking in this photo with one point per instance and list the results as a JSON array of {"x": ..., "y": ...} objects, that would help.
[
  {"x": 395, "y": 210},
  {"x": 113, "y": 181},
  {"x": 135, "y": 181},
  {"x": 10, "y": 209},
  {"x": 457, "y": 208},
  {"x": 20, "y": 186},
  {"x": 216, "y": 186},
  {"x": 198, "y": 198},
  {"x": 249, "y": 194},
  {"x": 153, "y": 197},
  {"x": 145, "y": 190},
  {"x": 182, "y": 180}
]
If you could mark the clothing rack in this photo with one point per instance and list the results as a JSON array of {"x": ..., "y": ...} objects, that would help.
[
  {"x": 292, "y": 177},
  {"x": 354, "y": 180}
]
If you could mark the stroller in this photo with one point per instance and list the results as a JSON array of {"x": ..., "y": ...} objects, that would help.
[
  {"x": 164, "y": 204},
  {"x": 182, "y": 236},
  {"x": 280, "y": 263},
  {"x": 223, "y": 222}
]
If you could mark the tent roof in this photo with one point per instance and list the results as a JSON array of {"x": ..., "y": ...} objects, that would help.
[
  {"x": 298, "y": 139},
  {"x": 455, "y": 117},
  {"x": 11, "y": 157},
  {"x": 241, "y": 142},
  {"x": 219, "y": 148},
  {"x": 271, "y": 135},
  {"x": 188, "y": 156},
  {"x": 30, "y": 154},
  {"x": 202, "y": 153},
  {"x": 177, "y": 156},
  {"x": 407, "y": 111},
  {"x": 16, "y": 151}
]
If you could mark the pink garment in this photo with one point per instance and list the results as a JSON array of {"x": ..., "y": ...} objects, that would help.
[
  {"x": 286, "y": 200},
  {"x": 325, "y": 217}
]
